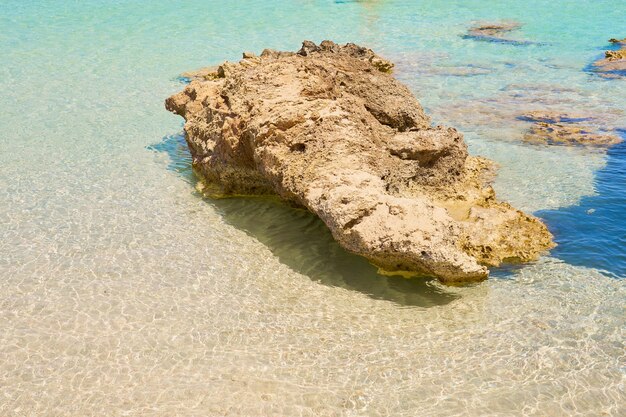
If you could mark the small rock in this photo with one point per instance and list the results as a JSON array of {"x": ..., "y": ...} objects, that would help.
[
  {"x": 494, "y": 29},
  {"x": 205, "y": 73},
  {"x": 613, "y": 65},
  {"x": 572, "y": 134},
  {"x": 615, "y": 55}
]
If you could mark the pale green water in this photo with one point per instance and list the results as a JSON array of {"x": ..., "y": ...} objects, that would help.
[{"x": 122, "y": 292}]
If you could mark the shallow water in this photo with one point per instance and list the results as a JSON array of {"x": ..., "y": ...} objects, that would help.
[{"x": 124, "y": 292}]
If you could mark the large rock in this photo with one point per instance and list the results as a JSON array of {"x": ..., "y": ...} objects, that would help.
[{"x": 328, "y": 128}]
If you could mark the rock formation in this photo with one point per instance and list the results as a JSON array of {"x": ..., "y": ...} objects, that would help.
[
  {"x": 613, "y": 65},
  {"x": 328, "y": 128}
]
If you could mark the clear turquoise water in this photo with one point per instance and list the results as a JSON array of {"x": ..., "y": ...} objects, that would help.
[{"x": 123, "y": 292}]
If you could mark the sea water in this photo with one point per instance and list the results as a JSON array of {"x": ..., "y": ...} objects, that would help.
[{"x": 125, "y": 292}]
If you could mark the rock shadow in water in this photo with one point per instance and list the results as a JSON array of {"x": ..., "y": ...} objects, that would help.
[
  {"x": 494, "y": 39},
  {"x": 302, "y": 241},
  {"x": 593, "y": 233}
]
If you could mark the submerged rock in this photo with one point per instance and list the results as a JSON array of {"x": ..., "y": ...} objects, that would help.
[
  {"x": 568, "y": 134},
  {"x": 328, "y": 128},
  {"x": 506, "y": 115},
  {"x": 495, "y": 32},
  {"x": 205, "y": 73},
  {"x": 613, "y": 65},
  {"x": 554, "y": 128},
  {"x": 494, "y": 29},
  {"x": 544, "y": 116}
]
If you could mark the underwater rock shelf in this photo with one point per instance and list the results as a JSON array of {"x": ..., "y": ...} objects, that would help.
[
  {"x": 566, "y": 129},
  {"x": 330, "y": 129}
]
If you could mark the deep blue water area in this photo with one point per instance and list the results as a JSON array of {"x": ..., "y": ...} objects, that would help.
[{"x": 593, "y": 233}]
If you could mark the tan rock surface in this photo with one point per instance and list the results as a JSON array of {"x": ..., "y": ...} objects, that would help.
[{"x": 329, "y": 129}]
